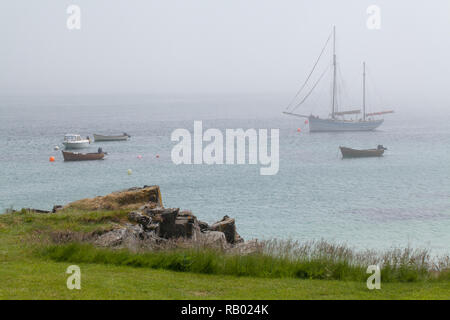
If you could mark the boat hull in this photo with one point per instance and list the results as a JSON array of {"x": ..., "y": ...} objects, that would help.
[
  {"x": 99, "y": 137},
  {"x": 75, "y": 156},
  {"x": 333, "y": 125},
  {"x": 353, "y": 153}
]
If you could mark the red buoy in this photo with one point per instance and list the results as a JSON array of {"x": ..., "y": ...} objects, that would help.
[
  {"x": 299, "y": 130},
  {"x": 306, "y": 121}
]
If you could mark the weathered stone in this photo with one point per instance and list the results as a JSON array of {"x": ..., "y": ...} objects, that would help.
[
  {"x": 166, "y": 221},
  {"x": 151, "y": 209},
  {"x": 187, "y": 225},
  {"x": 228, "y": 227},
  {"x": 214, "y": 239},
  {"x": 118, "y": 237},
  {"x": 156, "y": 212},
  {"x": 203, "y": 226},
  {"x": 135, "y": 216},
  {"x": 238, "y": 238},
  {"x": 131, "y": 236},
  {"x": 110, "y": 239},
  {"x": 187, "y": 228},
  {"x": 153, "y": 227}
]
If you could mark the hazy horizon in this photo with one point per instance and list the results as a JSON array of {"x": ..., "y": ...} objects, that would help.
[{"x": 196, "y": 47}]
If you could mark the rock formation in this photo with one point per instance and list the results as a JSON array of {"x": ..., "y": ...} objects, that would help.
[
  {"x": 151, "y": 224},
  {"x": 131, "y": 198}
]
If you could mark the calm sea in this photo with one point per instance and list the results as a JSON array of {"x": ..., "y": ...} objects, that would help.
[{"x": 398, "y": 200}]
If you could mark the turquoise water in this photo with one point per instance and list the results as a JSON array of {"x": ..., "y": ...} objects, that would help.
[{"x": 400, "y": 199}]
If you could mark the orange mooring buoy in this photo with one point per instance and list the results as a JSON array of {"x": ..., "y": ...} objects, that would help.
[{"x": 51, "y": 159}]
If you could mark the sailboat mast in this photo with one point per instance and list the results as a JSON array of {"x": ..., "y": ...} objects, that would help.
[
  {"x": 334, "y": 74},
  {"x": 364, "y": 91}
]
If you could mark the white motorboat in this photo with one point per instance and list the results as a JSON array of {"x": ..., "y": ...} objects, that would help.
[{"x": 74, "y": 141}]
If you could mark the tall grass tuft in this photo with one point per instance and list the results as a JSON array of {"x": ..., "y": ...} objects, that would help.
[{"x": 311, "y": 260}]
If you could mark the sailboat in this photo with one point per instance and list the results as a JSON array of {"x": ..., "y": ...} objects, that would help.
[{"x": 336, "y": 120}]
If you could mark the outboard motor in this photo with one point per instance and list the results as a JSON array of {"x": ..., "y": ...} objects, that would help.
[{"x": 100, "y": 150}]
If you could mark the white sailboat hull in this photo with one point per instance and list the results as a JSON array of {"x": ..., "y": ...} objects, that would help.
[{"x": 332, "y": 125}]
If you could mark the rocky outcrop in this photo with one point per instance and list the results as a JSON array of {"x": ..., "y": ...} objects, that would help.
[
  {"x": 129, "y": 236},
  {"x": 125, "y": 236},
  {"x": 152, "y": 225},
  {"x": 131, "y": 198},
  {"x": 167, "y": 223}
]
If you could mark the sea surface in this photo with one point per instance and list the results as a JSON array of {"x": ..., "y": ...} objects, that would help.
[{"x": 399, "y": 200}]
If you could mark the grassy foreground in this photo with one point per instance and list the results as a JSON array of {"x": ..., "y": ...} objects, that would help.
[{"x": 33, "y": 267}]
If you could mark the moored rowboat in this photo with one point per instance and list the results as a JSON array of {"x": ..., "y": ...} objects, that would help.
[
  {"x": 354, "y": 153},
  {"x": 75, "y": 156},
  {"x": 122, "y": 137}
]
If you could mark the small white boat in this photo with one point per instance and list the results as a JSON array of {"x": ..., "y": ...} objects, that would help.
[
  {"x": 122, "y": 137},
  {"x": 74, "y": 141}
]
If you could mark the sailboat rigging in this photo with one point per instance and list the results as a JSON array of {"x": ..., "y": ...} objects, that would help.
[{"x": 336, "y": 120}]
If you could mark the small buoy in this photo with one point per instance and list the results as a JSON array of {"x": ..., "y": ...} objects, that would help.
[
  {"x": 299, "y": 130},
  {"x": 157, "y": 156},
  {"x": 56, "y": 148},
  {"x": 129, "y": 172},
  {"x": 306, "y": 121},
  {"x": 139, "y": 157},
  {"x": 51, "y": 159}
]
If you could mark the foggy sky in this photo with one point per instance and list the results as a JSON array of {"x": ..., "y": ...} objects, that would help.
[{"x": 222, "y": 46}]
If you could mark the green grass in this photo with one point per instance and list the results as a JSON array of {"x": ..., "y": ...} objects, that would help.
[
  {"x": 31, "y": 267},
  {"x": 38, "y": 279},
  {"x": 207, "y": 261}
]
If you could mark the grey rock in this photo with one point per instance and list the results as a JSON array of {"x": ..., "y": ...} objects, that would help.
[
  {"x": 215, "y": 239},
  {"x": 151, "y": 210},
  {"x": 228, "y": 227},
  {"x": 166, "y": 219},
  {"x": 130, "y": 236},
  {"x": 203, "y": 226},
  {"x": 135, "y": 216},
  {"x": 111, "y": 239}
]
